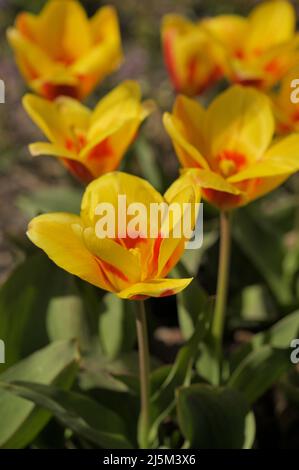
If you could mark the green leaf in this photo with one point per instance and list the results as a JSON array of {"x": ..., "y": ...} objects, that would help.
[
  {"x": 214, "y": 418},
  {"x": 46, "y": 200},
  {"x": 279, "y": 336},
  {"x": 67, "y": 319},
  {"x": 253, "y": 235},
  {"x": 259, "y": 371},
  {"x": 117, "y": 328},
  {"x": 20, "y": 420},
  {"x": 24, "y": 300},
  {"x": 163, "y": 397},
  {"x": 81, "y": 414}
]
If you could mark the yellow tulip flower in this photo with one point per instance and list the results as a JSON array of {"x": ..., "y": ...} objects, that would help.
[
  {"x": 286, "y": 103},
  {"x": 259, "y": 49},
  {"x": 229, "y": 146},
  {"x": 192, "y": 57},
  {"x": 133, "y": 267},
  {"x": 89, "y": 143},
  {"x": 63, "y": 52}
]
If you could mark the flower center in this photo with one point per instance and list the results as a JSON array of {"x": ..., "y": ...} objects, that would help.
[{"x": 230, "y": 162}]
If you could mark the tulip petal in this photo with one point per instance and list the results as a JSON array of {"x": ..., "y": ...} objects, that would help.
[
  {"x": 60, "y": 236},
  {"x": 121, "y": 104},
  {"x": 109, "y": 187},
  {"x": 31, "y": 59},
  {"x": 188, "y": 155},
  {"x": 45, "y": 148},
  {"x": 46, "y": 116},
  {"x": 271, "y": 23},
  {"x": 281, "y": 159},
  {"x": 73, "y": 113},
  {"x": 185, "y": 190},
  {"x": 209, "y": 180},
  {"x": 230, "y": 30},
  {"x": 64, "y": 30},
  {"x": 239, "y": 120},
  {"x": 155, "y": 288},
  {"x": 124, "y": 263},
  {"x": 191, "y": 115}
]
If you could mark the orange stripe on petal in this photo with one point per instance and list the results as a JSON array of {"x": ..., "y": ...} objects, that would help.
[
  {"x": 167, "y": 293},
  {"x": 169, "y": 58},
  {"x": 101, "y": 150},
  {"x": 78, "y": 170},
  {"x": 113, "y": 270}
]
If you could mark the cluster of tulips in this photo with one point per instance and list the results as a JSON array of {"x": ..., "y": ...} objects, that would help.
[{"x": 242, "y": 146}]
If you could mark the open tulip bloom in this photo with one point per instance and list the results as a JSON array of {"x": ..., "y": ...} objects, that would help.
[
  {"x": 62, "y": 52},
  {"x": 133, "y": 267},
  {"x": 261, "y": 48},
  {"x": 89, "y": 143},
  {"x": 230, "y": 147},
  {"x": 258, "y": 50}
]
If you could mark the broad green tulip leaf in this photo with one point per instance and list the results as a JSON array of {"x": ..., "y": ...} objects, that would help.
[
  {"x": 214, "y": 418},
  {"x": 66, "y": 319},
  {"x": 46, "y": 200},
  {"x": 20, "y": 420},
  {"x": 24, "y": 300},
  {"x": 121, "y": 374},
  {"x": 83, "y": 415},
  {"x": 163, "y": 398},
  {"x": 253, "y": 236},
  {"x": 259, "y": 371},
  {"x": 117, "y": 329}
]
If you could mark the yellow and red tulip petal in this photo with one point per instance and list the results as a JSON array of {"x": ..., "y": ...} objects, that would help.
[
  {"x": 239, "y": 120},
  {"x": 217, "y": 190},
  {"x": 185, "y": 190},
  {"x": 208, "y": 179},
  {"x": 191, "y": 56},
  {"x": 154, "y": 288},
  {"x": 30, "y": 58},
  {"x": 45, "y": 148},
  {"x": 121, "y": 266},
  {"x": 280, "y": 159},
  {"x": 60, "y": 235}
]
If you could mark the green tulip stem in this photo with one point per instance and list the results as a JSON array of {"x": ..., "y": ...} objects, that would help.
[
  {"x": 222, "y": 286},
  {"x": 144, "y": 368}
]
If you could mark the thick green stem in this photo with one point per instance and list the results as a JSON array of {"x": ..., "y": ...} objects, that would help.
[
  {"x": 222, "y": 286},
  {"x": 142, "y": 336}
]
